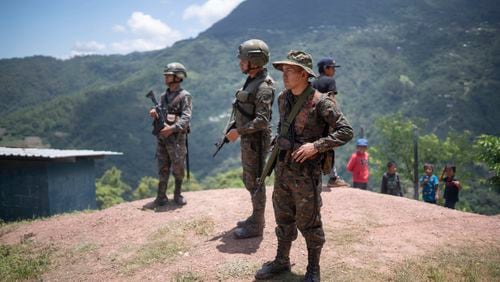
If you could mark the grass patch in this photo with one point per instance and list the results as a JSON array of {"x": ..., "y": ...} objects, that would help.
[
  {"x": 463, "y": 264},
  {"x": 7, "y": 227},
  {"x": 24, "y": 261},
  {"x": 187, "y": 276},
  {"x": 168, "y": 242},
  {"x": 160, "y": 251},
  {"x": 237, "y": 269},
  {"x": 345, "y": 236},
  {"x": 203, "y": 226},
  {"x": 85, "y": 248},
  {"x": 343, "y": 272}
]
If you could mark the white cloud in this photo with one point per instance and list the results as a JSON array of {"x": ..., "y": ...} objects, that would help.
[
  {"x": 140, "y": 44},
  {"x": 148, "y": 34},
  {"x": 119, "y": 28},
  {"x": 87, "y": 48},
  {"x": 211, "y": 11},
  {"x": 145, "y": 25}
]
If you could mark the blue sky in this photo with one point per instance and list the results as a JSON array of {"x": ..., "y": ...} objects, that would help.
[{"x": 65, "y": 28}]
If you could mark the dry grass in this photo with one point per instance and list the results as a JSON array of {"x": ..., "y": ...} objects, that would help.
[
  {"x": 187, "y": 276},
  {"x": 237, "y": 269},
  {"x": 465, "y": 264},
  {"x": 167, "y": 243},
  {"x": 24, "y": 261}
]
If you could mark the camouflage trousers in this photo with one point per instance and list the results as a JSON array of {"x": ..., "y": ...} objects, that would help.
[
  {"x": 250, "y": 158},
  {"x": 297, "y": 203},
  {"x": 171, "y": 156}
]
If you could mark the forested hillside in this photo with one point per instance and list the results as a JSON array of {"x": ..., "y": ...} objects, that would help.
[{"x": 436, "y": 60}]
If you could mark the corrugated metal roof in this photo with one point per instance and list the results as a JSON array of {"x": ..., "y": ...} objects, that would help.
[{"x": 6, "y": 152}]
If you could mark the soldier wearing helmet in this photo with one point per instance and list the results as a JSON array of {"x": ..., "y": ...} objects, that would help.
[
  {"x": 171, "y": 145},
  {"x": 252, "y": 117}
]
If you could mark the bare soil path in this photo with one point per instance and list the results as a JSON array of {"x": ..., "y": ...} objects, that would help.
[{"x": 368, "y": 235}]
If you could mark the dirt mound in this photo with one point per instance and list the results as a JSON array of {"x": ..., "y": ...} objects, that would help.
[{"x": 368, "y": 236}]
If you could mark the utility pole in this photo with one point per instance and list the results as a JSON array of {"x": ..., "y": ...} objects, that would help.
[{"x": 415, "y": 164}]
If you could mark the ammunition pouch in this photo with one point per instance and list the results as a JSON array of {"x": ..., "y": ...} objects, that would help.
[
  {"x": 312, "y": 164},
  {"x": 284, "y": 144},
  {"x": 327, "y": 162},
  {"x": 242, "y": 96},
  {"x": 244, "y": 106}
]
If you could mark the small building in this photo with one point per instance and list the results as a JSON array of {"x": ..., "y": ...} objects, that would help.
[{"x": 43, "y": 182}]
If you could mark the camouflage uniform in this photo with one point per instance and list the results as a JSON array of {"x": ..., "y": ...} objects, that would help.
[
  {"x": 297, "y": 188},
  {"x": 252, "y": 116},
  {"x": 171, "y": 151}
]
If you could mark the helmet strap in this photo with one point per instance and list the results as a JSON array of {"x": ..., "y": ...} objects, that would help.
[{"x": 174, "y": 85}]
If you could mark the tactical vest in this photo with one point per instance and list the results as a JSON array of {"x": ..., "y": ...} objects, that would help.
[
  {"x": 300, "y": 120},
  {"x": 175, "y": 105},
  {"x": 316, "y": 128},
  {"x": 173, "y": 108},
  {"x": 245, "y": 99}
]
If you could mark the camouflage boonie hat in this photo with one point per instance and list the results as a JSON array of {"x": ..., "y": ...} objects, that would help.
[{"x": 297, "y": 58}]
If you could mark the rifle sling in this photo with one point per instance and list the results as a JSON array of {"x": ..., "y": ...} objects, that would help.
[
  {"x": 174, "y": 101},
  {"x": 284, "y": 129},
  {"x": 243, "y": 112}
]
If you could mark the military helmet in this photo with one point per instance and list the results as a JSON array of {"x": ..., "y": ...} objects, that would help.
[
  {"x": 255, "y": 51},
  {"x": 176, "y": 69}
]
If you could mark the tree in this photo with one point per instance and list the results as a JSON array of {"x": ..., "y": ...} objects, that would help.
[
  {"x": 147, "y": 188},
  {"x": 111, "y": 190},
  {"x": 228, "y": 179},
  {"x": 395, "y": 135},
  {"x": 488, "y": 152}
]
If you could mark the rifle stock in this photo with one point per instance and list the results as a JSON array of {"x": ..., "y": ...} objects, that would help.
[{"x": 270, "y": 164}]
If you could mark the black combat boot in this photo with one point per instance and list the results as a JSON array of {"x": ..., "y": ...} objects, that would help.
[
  {"x": 312, "y": 274},
  {"x": 252, "y": 228},
  {"x": 249, "y": 220},
  {"x": 258, "y": 202},
  {"x": 279, "y": 265},
  {"x": 254, "y": 225},
  {"x": 178, "y": 198},
  {"x": 161, "y": 197}
]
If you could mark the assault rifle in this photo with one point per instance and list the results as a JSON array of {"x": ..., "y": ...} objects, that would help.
[
  {"x": 223, "y": 140},
  {"x": 159, "y": 123}
]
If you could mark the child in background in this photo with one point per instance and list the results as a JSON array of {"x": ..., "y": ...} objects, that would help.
[
  {"x": 390, "y": 181},
  {"x": 358, "y": 165},
  {"x": 452, "y": 187},
  {"x": 429, "y": 185}
]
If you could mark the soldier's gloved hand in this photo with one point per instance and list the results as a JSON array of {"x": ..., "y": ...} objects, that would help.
[
  {"x": 153, "y": 114},
  {"x": 304, "y": 152},
  {"x": 167, "y": 130},
  {"x": 232, "y": 135}
]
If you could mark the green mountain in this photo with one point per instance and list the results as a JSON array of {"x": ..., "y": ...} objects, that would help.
[{"x": 434, "y": 59}]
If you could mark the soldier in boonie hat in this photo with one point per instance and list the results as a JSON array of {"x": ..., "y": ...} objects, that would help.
[
  {"x": 297, "y": 58},
  {"x": 301, "y": 151}
]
